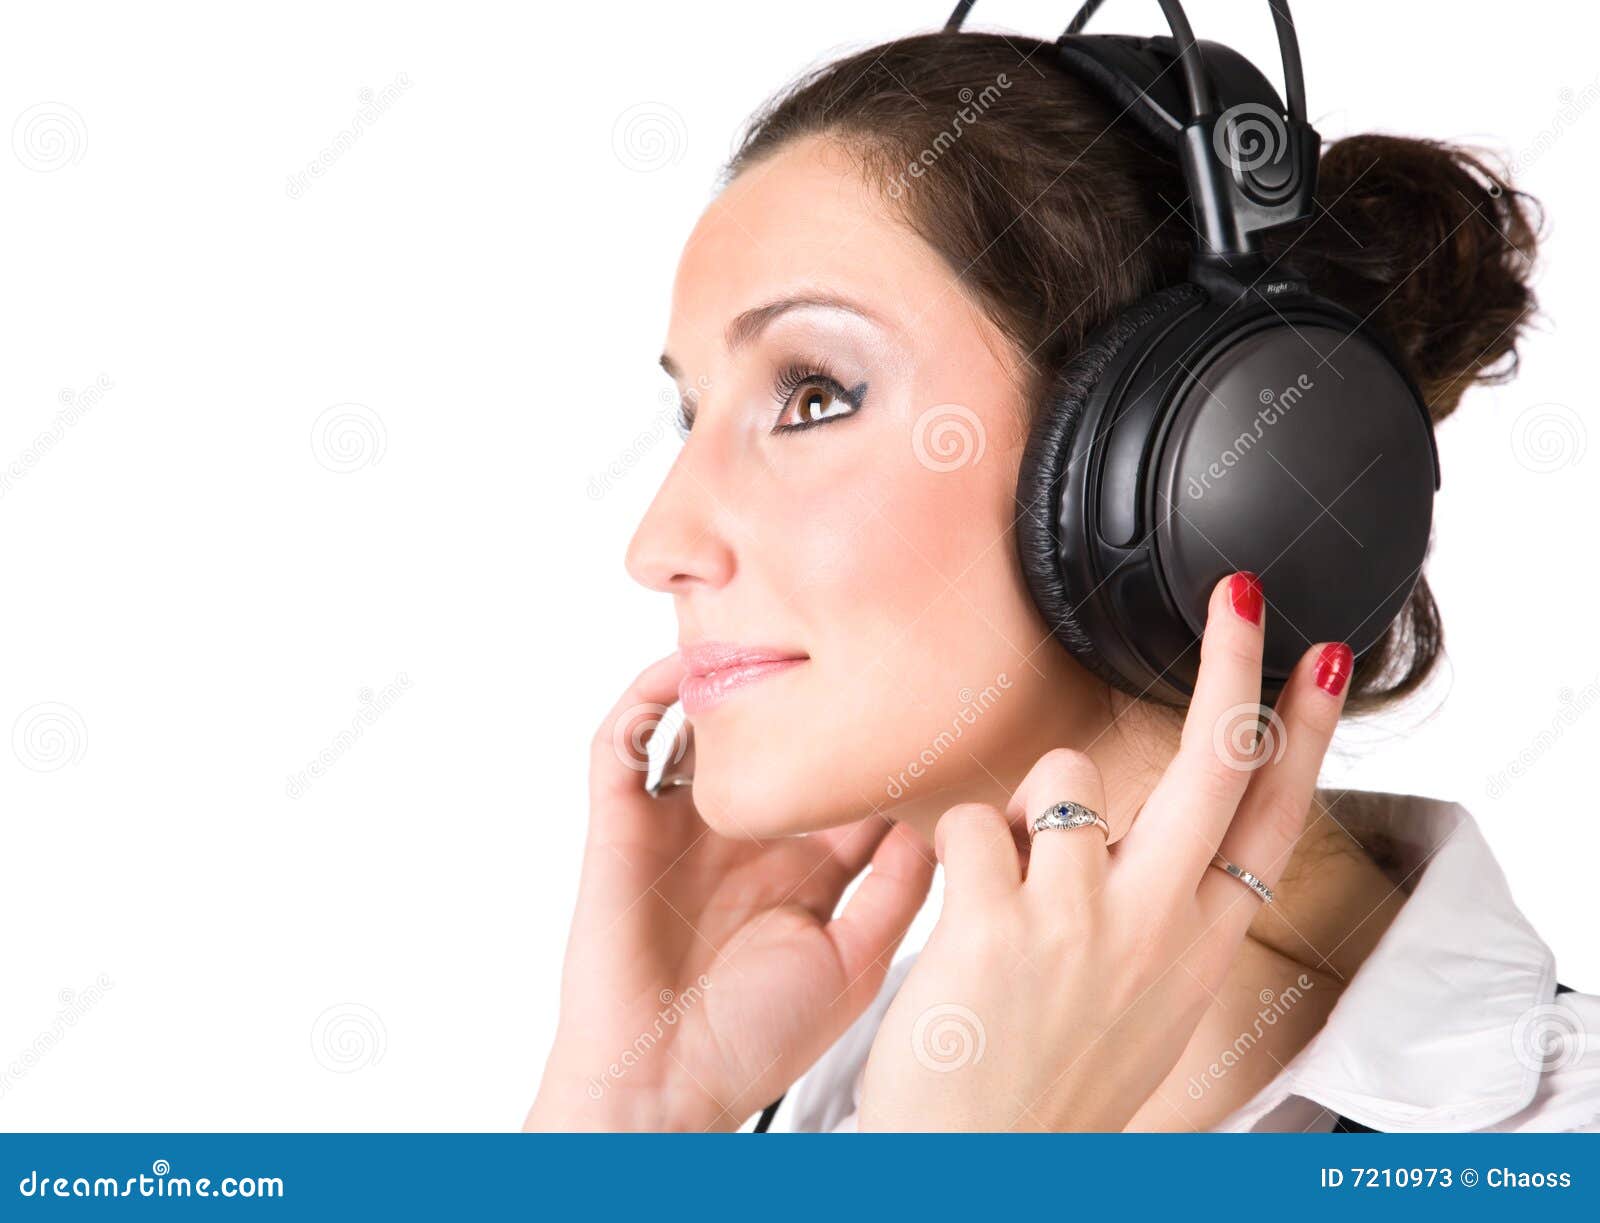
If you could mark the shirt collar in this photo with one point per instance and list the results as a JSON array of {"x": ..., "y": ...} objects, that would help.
[{"x": 1422, "y": 1036}]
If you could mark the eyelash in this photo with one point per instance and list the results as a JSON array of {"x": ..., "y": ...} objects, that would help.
[
  {"x": 795, "y": 376},
  {"x": 791, "y": 379}
]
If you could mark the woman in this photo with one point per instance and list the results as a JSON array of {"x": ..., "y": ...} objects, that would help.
[{"x": 861, "y": 323}]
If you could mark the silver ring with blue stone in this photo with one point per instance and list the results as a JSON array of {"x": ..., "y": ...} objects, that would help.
[{"x": 1070, "y": 816}]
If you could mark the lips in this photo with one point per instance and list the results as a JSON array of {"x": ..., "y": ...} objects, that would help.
[{"x": 716, "y": 670}]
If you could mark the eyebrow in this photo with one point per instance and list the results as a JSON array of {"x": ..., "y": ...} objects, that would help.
[{"x": 751, "y": 323}]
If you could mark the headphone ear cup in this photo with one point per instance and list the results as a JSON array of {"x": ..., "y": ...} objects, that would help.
[{"x": 1053, "y": 445}]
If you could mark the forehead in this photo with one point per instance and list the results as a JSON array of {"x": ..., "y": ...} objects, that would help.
[{"x": 804, "y": 218}]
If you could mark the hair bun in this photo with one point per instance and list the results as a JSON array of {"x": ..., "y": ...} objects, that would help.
[{"x": 1431, "y": 245}]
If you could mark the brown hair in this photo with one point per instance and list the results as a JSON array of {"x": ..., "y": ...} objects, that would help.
[{"x": 1057, "y": 217}]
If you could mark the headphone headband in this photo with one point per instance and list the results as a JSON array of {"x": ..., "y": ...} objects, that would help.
[{"x": 1250, "y": 162}]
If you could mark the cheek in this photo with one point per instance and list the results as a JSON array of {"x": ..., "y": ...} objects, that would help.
[{"x": 918, "y": 615}]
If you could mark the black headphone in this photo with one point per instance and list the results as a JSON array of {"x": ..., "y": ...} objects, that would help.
[{"x": 1232, "y": 422}]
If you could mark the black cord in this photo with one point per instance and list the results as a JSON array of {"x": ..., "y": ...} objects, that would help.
[
  {"x": 1294, "y": 78},
  {"x": 1196, "y": 81},
  {"x": 771, "y": 1110},
  {"x": 1075, "y": 26},
  {"x": 963, "y": 7}
]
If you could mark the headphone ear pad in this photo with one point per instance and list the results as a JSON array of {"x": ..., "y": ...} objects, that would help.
[{"x": 1052, "y": 445}]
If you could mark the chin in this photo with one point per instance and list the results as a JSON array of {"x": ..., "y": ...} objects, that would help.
[
  {"x": 774, "y": 789},
  {"x": 809, "y": 751}
]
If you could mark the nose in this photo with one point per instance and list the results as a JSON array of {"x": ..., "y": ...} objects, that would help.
[{"x": 678, "y": 545}]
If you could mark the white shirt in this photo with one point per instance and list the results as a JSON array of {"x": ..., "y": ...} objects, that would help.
[{"x": 1451, "y": 1024}]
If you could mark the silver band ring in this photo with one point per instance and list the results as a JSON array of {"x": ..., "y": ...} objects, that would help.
[
  {"x": 1070, "y": 816},
  {"x": 1251, "y": 881}
]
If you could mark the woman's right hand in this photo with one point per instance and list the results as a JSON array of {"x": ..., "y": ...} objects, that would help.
[{"x": 704, "y": 974}]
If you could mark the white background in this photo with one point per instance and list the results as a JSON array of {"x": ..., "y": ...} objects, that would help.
[{"x": 198, "y": 600}]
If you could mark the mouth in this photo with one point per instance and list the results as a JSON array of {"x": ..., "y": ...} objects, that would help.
[{"x": 717, "y": 670}]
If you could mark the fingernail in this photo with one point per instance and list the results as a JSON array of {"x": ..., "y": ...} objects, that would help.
[
  {"x": 1244, "y": 589},
  {"x": 1333, "y": 667}
]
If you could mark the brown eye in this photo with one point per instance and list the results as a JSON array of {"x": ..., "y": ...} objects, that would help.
[{"x": 814, "y": 398}]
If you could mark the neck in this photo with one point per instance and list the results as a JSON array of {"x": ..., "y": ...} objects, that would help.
[
  {"x": 1131, "y": 743},
  {"x": 1333, "y": 903}
]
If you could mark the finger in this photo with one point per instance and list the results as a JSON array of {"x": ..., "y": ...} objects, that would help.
[
  {"x": 851, "y": 846},
  {"x": 1273, "y": 813},
  {"x": 1189, "y": 810},
  {"x": 875, "y": 918},
  {"x": 618, "y": 757},
  {"x": 1063, "y": 860},
  {"x": 841, "y": 854},
  {"x": 974, "y": 843}
]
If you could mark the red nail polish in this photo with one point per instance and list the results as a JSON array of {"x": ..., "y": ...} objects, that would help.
[
  {"x": 1333, "y": 667},
  {"x": 1244, "y": 589}
]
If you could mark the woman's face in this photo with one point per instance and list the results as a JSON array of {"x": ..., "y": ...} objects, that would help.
[{"x": 837, "y": 530}]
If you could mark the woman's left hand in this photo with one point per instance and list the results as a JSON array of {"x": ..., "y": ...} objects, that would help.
[{"x": 1061, "y": 1000}]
